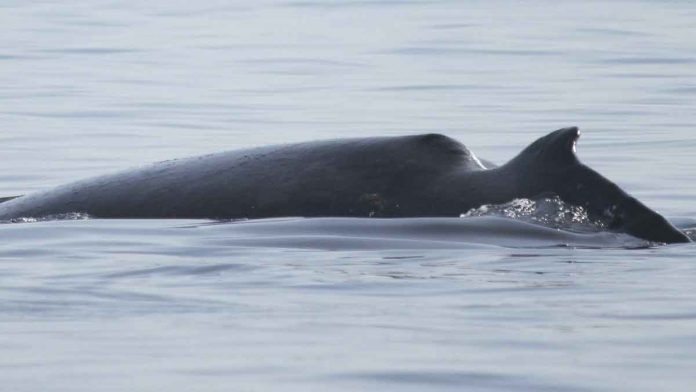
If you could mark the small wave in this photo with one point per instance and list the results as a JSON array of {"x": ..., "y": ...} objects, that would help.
[
  {"x": 548, "y": 211},
  {"x": 46, "y": 218},
  {"x": 407, "y": 233}
]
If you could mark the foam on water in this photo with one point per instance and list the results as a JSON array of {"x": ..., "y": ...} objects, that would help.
[
  {"x": 546, "y": 211},
  {"x": 46, "y": 218}
]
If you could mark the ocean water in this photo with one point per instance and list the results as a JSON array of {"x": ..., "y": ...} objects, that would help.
[{"x": 476, "y": 304}]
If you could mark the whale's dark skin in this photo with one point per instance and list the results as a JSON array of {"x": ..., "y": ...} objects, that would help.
[{"x": 408, "y": 176}]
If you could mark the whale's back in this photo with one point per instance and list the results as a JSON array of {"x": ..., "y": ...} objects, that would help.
[{"x": 369, "y": 176}]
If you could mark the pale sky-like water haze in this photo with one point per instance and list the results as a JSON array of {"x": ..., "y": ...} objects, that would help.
[{"x": 90, "y": 87}]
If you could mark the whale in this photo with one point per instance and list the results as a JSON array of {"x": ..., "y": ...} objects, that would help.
[{"x": 427, "y": 175}]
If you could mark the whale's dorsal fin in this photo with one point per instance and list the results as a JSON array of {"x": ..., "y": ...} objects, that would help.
[{"x": 558, "y": 147}]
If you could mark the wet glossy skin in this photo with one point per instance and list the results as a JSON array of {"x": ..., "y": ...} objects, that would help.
[{"x": 409, "y": 176}]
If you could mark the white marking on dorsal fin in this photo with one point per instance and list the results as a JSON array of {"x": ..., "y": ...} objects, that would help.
[{"x": 478, "y": 162}]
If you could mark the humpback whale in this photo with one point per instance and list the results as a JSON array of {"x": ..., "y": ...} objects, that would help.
[{"x": 406, "y": 176}]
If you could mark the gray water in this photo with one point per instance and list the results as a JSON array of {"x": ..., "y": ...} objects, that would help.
[{"x": 475, "y": 304}]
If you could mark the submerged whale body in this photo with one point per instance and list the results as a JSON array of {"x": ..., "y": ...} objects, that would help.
[{"x": 408, "y": 176}]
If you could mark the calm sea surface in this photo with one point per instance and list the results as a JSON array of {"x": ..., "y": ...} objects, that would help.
[{"x": 479, "y": 304}]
